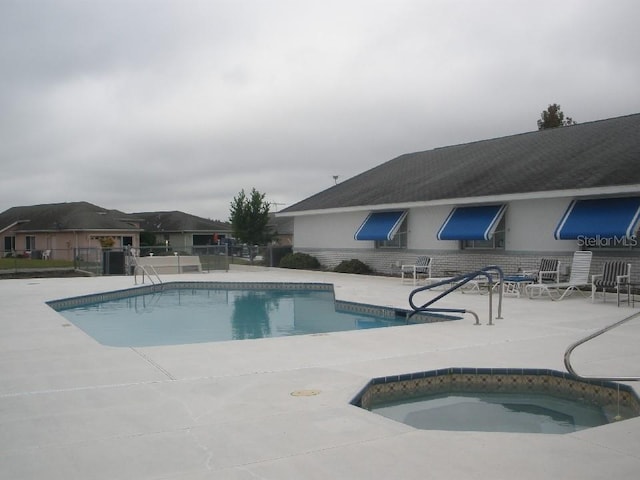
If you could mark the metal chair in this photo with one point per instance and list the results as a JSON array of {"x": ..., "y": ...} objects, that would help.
[
  {"x": 614, "y": 274},
  {"x": 422, "y": 266}
]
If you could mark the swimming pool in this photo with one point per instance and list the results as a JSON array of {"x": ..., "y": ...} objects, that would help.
[{"x": 197, "y": 312}]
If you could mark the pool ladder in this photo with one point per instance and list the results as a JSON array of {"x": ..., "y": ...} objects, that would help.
[
  {"x": 459, "y": 282},
  {"x": 147, "y": 270},
  {"x": 572, "y": 347}
]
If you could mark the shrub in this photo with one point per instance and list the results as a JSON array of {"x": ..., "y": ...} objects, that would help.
[
  {"x": 301, "y": 261},
  {"x": 353, "y": 266}
]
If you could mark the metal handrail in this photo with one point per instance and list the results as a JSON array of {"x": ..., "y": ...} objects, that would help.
[
  {"x": 460, "y": 281},
  {"x": 572, "y": 347},
  {"x": 137, "y": 266},
  {"x": 134, "y": 260}
]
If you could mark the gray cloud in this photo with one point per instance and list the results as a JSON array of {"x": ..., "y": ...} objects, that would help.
[{"x": 163, "y": 105}]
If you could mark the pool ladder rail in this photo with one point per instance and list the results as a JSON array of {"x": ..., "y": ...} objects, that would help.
[
  {"x": 148, "y": 270},
  {"x": 573, "y": 346},
  {"x": 459, "y": 282}
]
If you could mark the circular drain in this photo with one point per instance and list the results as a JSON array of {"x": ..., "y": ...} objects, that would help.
[{"x": 305, "y": 393}]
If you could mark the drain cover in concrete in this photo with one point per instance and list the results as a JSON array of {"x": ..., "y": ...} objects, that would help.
[{"x": 305, "y": 393}]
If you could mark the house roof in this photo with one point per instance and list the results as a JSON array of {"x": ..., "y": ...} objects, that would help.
[
  {"x": 176, "y": 221},
  {"x": 592, "y": 155},
  {"x": 280, "y": 225},
  {"x": 66, "y": 216}
]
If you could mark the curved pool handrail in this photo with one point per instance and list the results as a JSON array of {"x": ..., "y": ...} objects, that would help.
[
  {"x": 573, "y": 346},
  {"x": 459, "y": 281}
]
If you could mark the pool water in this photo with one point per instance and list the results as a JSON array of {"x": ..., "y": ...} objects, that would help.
[
  {"x": 182, "y": 316},
  {"x": 495, "y": 412}
]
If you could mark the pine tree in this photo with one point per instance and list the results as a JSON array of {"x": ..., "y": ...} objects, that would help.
[
  {"x": 553, "y": 117},
  {"x": 249, "y": 217}
]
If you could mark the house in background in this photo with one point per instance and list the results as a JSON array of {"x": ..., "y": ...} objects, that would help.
[
  {"x": 506, "y": 201},
  {"x": 179, "y": 231},
  {"x": 282, "y": 229},
  {"x": 61, "y": 230}
]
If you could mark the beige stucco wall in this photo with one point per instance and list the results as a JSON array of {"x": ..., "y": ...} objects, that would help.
[{"x": 62, "y": 244}]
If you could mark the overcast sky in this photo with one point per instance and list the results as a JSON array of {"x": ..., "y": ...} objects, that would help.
[{"x": 179, "y": 104}]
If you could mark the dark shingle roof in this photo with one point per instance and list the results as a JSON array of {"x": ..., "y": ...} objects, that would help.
[
  {"x": 179, "y": 222},
  {"x": 596, "y": 154},
  {"x": 280, "y": 225},
  {"x": 67, "y": 216}
]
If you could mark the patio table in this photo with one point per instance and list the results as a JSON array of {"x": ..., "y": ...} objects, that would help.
[{"x": 515, "y": 284}]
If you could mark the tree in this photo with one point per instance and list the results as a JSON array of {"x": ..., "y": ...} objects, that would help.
[
  {"x": 553, "y": 117},
  {"x": 249, "y": 217}
]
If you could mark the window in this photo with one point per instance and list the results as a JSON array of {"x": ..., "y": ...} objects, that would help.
[
  {"x": 30, "y": 243},
  {"x": 200, "y": 239},
  {"x": 399, "y": 240},
  {"x": 477, "y": 227},
  {"x": 496, "y": 242},
  {"x": 9, "y": 243}
]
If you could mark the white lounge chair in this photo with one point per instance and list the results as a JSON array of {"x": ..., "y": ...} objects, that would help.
[
  {"x": 579, "y": 278},
  {"x": 614, "y": 275},
  {"x": 422, "y": 266}
]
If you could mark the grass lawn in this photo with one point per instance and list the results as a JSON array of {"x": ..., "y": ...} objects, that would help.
[{"x": 15, "y": 263}]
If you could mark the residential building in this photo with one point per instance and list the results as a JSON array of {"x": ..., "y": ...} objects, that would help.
[
  {"x": 181, "y": 231},
  {"x": 61, "y": 230},
  {"x": 282, "y": 228}
]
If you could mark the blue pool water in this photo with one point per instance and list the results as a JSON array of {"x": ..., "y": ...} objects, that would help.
[
  {"x": 495, "y": 412},
  {"x": 181, "y": 316}
]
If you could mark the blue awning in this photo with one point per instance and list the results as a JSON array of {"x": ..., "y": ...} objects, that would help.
[
  {"x": 380, "y": 225},
  {"x": 602, "y": 217},
  {"x": 471, "y": 223}
]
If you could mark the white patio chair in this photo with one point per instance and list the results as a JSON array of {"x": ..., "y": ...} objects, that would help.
[
  {"x": 422, "y": 266},
  {"x": 578, "y": 278}
]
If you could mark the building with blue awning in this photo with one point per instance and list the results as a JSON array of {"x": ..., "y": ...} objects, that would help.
[{"x": 508, "y": 201}]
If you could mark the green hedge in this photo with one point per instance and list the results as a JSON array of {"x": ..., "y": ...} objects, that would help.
[
  {"x": 353, "y": 266},
  {"x": 301, "y": 261}
]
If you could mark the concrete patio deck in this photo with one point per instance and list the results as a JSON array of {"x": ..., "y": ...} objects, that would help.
[{"x": 71, "y": 408}]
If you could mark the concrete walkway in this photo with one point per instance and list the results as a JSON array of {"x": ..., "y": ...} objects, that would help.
[{"x": 71, "y": 408}]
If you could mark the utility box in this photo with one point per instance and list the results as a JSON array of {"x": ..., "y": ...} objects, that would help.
[{"x": 112, "y": 262}]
